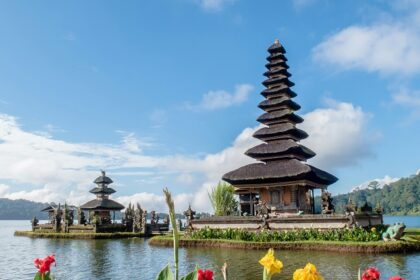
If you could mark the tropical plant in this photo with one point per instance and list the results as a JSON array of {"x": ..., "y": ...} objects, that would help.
[
  {"x": 356, "y": 235},
  {"x": 271, "y": 265},
  {"x": 44, "y": 266},
  {"x": 223, "y": 199}
]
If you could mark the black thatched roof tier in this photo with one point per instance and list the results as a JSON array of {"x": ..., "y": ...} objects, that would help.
[
  {"x": 278, "y": 81},
  {"x": 277, "y": 71},
  {"x": 278, "y": 92},
  {"x": 279, "y": 150},
  {"x": 278, "y": 171},
  {"x": 279, "y": 116},
  {"x": 274, "y": 104},
  {"x": 98, "y": 190},
  {"x": 279, "y": 132},
  {"x": 103, "y": 179},
  {"x": 276, "y": 56},
  {"x": 102, "y": 204},
  {"x": 276, "y": 47},
  {"x": 274, "y": 64}
]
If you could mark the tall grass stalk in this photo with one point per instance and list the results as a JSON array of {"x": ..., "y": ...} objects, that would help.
[{"x": 171, "y": 206}]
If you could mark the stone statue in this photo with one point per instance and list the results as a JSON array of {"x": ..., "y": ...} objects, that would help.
[
  {"x": 326, "y": 202},
  {"x": 153, "y": 217},
  {"x": 128, "y": 219},
  {"x": 308, "y": 199},
  {"x": 138, "y": 217},
  {"x": 144, "y": 222},
  {"x": 57, "y": 219},
  {"x": 179, "y": 224},
  {"x": 378, "y": 208},
  {"x": 394, "y": 232},
  {"x": 263, "y": 209},
  {"x": 366, "y": 208},
  {"x": 81, "y": 216},
  {"x": 189, "y": 213},
  {"x": 350, "y": 209},
  {"x": 34, "y": 222}
]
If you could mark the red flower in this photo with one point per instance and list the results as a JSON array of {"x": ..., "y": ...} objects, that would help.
[
  {"x": 44, "y": 265},
  {"x": 205, "y": 274},
  {"x": 396, "y": 278},
  {"x": 371, "y": 273}
]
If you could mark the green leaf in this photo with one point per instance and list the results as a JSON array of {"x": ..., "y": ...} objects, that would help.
[
  {"x": 165, "y": 274},
  {"x": 191, "y": 276},
  {"x": 47, "y": 276}
]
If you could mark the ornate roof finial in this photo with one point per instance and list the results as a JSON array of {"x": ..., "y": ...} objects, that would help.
[
  {"x": 103, "y": 172},
  {"x": 277, "y": 42}
]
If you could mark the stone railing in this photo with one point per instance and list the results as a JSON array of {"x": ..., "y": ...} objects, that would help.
[{"x": 287, "y": 222}]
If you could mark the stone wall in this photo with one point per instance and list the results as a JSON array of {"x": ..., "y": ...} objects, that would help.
[{"x": 287, "y": 222}]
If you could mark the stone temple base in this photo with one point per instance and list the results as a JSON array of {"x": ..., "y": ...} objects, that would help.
[{"x": 288, "y": 222}]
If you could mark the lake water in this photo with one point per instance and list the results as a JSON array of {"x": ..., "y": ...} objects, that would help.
[{"x": 135, "y": 259}]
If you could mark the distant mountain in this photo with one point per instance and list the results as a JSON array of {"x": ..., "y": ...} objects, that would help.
[
  {"x": 21, "y": 209},
  {"x": 400, "y": 197},
  {"x": 375, "y": 184}
]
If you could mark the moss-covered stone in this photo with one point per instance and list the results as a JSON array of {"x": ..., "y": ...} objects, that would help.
[
  {"x": 113, "y": 235},
  {"x": 410, "y": 243}
]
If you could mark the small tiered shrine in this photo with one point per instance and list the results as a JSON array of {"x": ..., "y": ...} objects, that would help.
[
  {"x": 281, "y": 181},
  {"x": 100, "y": 208}
]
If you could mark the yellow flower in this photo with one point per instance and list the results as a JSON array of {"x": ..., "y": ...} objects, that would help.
[
  {"x": 307, "y": 273},
  {"x": 373, "y": 229},
  {"x": 270, "y": 263}
]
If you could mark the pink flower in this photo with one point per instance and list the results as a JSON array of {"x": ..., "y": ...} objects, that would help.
[
  {"x": 396, "y": 278},
  {"x": 205, "y": 274},
  {"x": 371, "y": 273},
  {"x": 44, "y": 265}
]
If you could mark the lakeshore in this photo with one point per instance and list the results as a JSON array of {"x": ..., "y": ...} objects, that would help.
[{"x": 410, "y": 243}]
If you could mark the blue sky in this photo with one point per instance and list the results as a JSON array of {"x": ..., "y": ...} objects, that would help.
[{"x": 165, "y": 93}]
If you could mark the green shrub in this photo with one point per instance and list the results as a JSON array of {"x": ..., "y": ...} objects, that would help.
[{"x": 357, "y": 234}]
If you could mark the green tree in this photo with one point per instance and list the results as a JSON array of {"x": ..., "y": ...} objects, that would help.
[{"x": 223, "y": 199}]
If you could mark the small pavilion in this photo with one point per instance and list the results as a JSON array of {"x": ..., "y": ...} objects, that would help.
[
  {"x": 101, "y": 207},
  {"x": 280, "y": 180}
]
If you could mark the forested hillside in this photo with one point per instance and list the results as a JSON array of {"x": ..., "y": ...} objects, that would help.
[
  {"x": 21, "y": 209},
  {"x": 398, "y": 198}
]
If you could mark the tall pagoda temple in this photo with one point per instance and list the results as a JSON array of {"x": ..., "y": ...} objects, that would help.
[
  {"x": 281, "y": 179},
  {"x": 101, "y": 207}
]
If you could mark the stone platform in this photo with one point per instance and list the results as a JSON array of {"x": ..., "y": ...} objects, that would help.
[{"x": 288, "y": 222}]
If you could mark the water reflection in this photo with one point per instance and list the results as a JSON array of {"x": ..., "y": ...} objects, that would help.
[{"x": 135, "y": 259}]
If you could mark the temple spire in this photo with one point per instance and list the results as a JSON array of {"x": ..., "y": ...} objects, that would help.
[{"x": 281, "y": 157}]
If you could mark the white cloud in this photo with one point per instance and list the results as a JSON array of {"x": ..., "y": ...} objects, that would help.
[
  {"x": 214, "y": 5},
  {"x": 388, "y": 46},
  {"x": 409, "y": 99},
  {"x": 337, "y": 134},
  {"x": 158, "y": 118},
  {"x": 219, "y": 99},
  {"x": 301, "y": 4},
  {"x": 55, "y": 170},
  {"x": 3, "y": 189}
]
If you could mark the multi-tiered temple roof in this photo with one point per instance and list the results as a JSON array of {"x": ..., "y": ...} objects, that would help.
[
  {"x": 102, "y": 192},
  {"x": 281, "y": 157}
]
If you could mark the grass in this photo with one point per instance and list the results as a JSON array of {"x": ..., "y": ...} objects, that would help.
[
  {"x": 410, "y": 243},
  {"x": 57, "y": 235}
]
